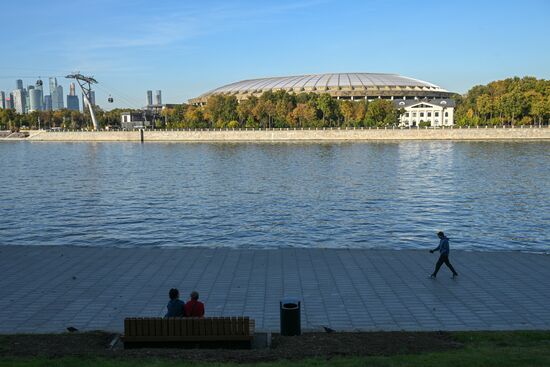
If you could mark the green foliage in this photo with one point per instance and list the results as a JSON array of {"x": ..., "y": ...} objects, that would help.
[
  {"x": 424, "y": 123},
  {"x": 514, "y": 101},
  {"x": 65, "y": 119},
  {"x": 381, "y": 112}
]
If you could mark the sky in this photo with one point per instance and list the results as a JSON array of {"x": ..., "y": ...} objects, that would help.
[{"x": 186, "y": 48}]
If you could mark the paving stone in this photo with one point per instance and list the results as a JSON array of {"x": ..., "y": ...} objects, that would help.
[{"x": 345, "y": 289}]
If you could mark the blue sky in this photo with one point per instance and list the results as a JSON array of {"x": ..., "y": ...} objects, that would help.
[{"x": 186, "y": 48}]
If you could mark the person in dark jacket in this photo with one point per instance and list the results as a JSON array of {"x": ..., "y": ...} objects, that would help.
[
  {"x": 194, "y": 307},
  {"x": 443, "y": 255},
  {"x": 175, "y": 305}
]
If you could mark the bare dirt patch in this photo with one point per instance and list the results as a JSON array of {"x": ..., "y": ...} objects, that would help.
[{"x": 311, "y": 345}]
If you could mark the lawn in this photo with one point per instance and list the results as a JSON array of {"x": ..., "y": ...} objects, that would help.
[{"x": 529, "y": 348}]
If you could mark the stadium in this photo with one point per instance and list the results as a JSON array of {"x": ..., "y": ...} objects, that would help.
[{"x": 351, "y": 86}]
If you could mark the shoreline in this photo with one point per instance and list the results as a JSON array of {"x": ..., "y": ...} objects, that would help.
[{"x": 295, "y": 135}]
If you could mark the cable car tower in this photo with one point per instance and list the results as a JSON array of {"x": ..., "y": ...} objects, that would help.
[{"x": 85, "y": 83}]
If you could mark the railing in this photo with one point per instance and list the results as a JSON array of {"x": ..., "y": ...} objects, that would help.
[{"x": 347, "y": 128}]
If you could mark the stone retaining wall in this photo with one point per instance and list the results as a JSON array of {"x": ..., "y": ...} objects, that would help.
[{"x": 300, "y": 135}]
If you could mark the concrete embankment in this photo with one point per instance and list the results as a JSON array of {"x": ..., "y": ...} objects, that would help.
[{"x": 526, "y": 133}]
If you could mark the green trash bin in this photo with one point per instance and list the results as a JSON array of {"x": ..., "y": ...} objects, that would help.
[{"x": 290, "y": 317}]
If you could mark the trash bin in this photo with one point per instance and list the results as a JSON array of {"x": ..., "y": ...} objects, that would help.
[{"x": 290, "y": 317}]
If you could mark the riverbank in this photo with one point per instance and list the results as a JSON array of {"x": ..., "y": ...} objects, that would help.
[{"x": 292, "y": 135}]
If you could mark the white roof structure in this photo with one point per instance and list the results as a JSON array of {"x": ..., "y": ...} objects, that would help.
[{"x": 338, "y": 84}]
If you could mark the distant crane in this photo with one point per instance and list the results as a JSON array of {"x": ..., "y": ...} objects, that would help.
[{"x": 85, "y": 83}]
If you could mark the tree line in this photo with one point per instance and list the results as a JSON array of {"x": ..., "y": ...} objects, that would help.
[
  {"x": 66, "y": 119},
  {"x": 512, "y": 101},
  {"x": 281, "y": 109}
]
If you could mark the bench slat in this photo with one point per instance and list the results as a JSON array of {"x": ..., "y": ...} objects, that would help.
[
  {"x": 188, "y": 327},
  {"x": 217, "y": 327},
  {"x": 158, "y": 327},
  {"x": 127, "y": 326},
  {"x": 209, "y": 327},
  {"x": 144, "y": 327},
  {"x": 227, "y": 325},
  {"x": 133, "y": 327},
  {"x": 196, "y": 327}
]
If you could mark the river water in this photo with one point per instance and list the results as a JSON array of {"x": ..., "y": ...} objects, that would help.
[{"x": 484, "y": 195}]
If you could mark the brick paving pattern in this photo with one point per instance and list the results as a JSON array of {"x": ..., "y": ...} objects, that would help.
[{"x": 46, "y": 289}]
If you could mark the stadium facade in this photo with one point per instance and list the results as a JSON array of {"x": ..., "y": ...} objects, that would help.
[{"x": 347, "y": 86}]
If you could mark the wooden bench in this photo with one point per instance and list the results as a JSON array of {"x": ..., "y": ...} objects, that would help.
[{"x": 189, "y": 331}]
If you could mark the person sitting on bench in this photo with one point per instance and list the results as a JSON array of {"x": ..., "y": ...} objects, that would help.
[
  {"x": 194, "y": 307},
  {"x": 176, "y": 307}
]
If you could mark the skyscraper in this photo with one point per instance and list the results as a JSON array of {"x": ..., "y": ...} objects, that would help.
[
  {"x": 149, "y": 98},
  {"x": 158, "y": 97},
  {"x": 73, "y": 103},
  {"x": 56, "y": 93},
  {"x": 72, "y": 99},
  {"x": 9, "y": 101},
  {"x": 60, "y": 104},
  {"x": 39, "y": 86},
  {"x": 35, "y": 97},
  {"x": 28, "y": 97},
  {"x": 2, "y": 100},
  {"x": 19, "y": 101},
  {"x": 47, "y": 103}
]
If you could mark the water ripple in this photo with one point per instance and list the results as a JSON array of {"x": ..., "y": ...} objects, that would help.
[{"x": 485, "y": 195}]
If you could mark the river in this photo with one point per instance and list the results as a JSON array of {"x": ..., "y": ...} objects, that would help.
[{"x": 484, "y": 195}]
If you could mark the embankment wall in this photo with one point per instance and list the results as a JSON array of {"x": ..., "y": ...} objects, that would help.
[{"x": 533, "y": 133}]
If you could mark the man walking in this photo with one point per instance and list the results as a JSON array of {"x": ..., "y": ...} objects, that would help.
[{"x": 443, "y": 255}]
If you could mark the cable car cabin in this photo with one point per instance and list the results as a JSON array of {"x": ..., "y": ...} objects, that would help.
[{"x": 110, "y": 99}]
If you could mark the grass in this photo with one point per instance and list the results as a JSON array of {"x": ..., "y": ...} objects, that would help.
[{"x": 503, "y": 349}]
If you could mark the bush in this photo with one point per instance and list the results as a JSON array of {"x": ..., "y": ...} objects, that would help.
[{"x": 424, "y": 124}]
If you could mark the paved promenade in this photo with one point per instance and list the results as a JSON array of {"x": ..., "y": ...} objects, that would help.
[{"x": 46, "y": 289}]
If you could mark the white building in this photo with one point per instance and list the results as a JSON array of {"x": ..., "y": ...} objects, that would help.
[
  {"x": 134, "y": 120},
  {"x": 436, "y": 112}
]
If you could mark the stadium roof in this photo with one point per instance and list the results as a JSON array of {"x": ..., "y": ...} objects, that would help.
[{"x": 335, "y": 84}]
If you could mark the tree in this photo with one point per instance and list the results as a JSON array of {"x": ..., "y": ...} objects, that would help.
[
  {"x": 328, "y": 107},
  {"x": 540, "y": 108},
  {"x": 347, "y": 110},
  {"x": 304, "y": 115},
  {"x": 193, "y": 117},
  {"x": 484, "y": 105},
  {"x": 514, "y": 104},
  {"x": 245, "y": 110},
  {"x": 381, "y": 112}
]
